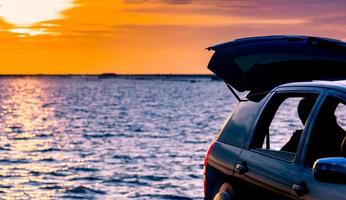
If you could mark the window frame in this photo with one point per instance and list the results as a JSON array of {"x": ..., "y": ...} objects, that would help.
[
  {"x": 224, "y": 135},
  {"x": 287, "y": 92},
  {"x": 323, "y": 98}
]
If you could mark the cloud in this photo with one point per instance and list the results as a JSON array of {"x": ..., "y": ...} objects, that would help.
[
  {"x": 178, "y": 1},
  {"x": 338, "y": 19},
  {"x": 158, "y": 1},
  {"x": 251, "y": 8}
]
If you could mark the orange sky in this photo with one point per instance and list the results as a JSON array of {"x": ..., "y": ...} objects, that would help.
[{"x": 146, "y": 36}]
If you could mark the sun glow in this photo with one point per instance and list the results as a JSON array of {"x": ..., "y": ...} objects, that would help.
[
  {"x": 24, "y": 14},
  {"x": 145, "y": 36}
]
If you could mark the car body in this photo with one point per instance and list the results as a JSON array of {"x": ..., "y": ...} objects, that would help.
[{"x": 286, "y": 139}]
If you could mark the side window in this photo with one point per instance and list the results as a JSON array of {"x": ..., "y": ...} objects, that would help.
[
  {"x": 281, "y": 124},
  {"x": 340, "y": 114},
  {"x": 239, "y": 125},
  {"x": 328, "y": 136}
]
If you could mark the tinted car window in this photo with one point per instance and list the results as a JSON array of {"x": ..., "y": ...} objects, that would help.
[
  {"x": 340, "y": 114},
  {"x": 284, "y": 123},
  {"x": 281, "y": 124},
  {"x": 328, "y": 135},
  {"x": 239, "y": 125}
]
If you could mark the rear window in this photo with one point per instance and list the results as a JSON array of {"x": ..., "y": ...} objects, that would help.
[
  {"x": 246, "y": 62},
  {"x": 240, "y": 123}
]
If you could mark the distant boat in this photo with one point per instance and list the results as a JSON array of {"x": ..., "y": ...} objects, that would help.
[{"x": 107, "y": 75}]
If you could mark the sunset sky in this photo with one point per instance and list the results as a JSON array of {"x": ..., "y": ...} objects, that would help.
[{"x": 146, "y": 36}]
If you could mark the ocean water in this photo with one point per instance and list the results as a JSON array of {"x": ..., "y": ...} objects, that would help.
[{"x": 117, "y": 138}]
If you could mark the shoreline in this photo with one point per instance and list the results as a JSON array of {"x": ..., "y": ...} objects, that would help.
[{"x": 111, "y": 76}]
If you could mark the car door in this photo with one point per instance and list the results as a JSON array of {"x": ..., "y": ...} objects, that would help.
[
  {"x": 323, "y": 140},
  {"x": 267, "y": 167}
]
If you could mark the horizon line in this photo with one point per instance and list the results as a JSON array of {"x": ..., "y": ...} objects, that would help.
[{"x": 108, "y": 74}]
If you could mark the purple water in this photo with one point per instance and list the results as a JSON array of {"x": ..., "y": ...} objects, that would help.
[{"x": 118, "y": 138}]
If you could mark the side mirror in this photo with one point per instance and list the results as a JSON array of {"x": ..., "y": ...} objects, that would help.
[{"x": 331, "y": 170}]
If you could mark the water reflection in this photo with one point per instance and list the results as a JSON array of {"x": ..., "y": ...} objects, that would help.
[
  {"x": 23, "y": 117},
  {"x": 24, "y": 101},
  {"x": 87, "y": 138}
]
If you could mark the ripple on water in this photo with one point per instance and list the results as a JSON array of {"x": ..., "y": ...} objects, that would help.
[
  {"x": 84, "y": 190},
  {"x": 57, "y": 174},
  {"x": 121, "y": 138},
  {"x": 161, "y": 196},
  {"x": 51, "y": 187},
  {"x": 47, "y": 160},
  {"x": 91, "y": 136},
  {"x": 87, "y": 178},
  {"x": 84, "y": 169},
  {"x": 46, "y": 150},
  {"x": 11, "y": 161}
]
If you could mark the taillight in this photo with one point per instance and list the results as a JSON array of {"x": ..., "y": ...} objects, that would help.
[{"x": 206, "y": 158}]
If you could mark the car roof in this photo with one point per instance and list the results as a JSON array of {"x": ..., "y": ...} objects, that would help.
[
  {"x": 246, "y": 40},
  {"x": 337, "y": 85}
]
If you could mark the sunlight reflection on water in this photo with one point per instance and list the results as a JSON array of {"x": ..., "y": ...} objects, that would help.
[{"x": 70, "y": 137}]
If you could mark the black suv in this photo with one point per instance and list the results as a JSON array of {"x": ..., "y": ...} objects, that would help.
[{"x": 286, "y": 139}]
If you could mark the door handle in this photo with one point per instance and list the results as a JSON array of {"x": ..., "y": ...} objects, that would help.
[
  {"x": 242, "y": 168},
  {"x": 300, "y": 189}
]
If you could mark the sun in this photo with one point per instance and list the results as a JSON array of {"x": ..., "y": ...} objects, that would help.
[{"x": 23, "y": 14}]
